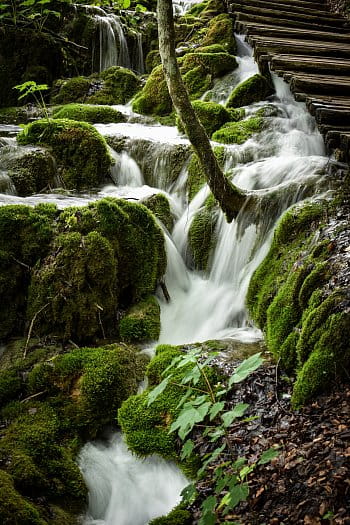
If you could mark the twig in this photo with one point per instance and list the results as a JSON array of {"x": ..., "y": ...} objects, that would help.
[
  {"x": 21, "y": 263},
  {"x": 33, "y": 396},
  {"x": 101, "y": 325},
  {"x": 31, "y": 326},
  {"x": 73, "y": 343},
  {"x": 165, "y": 291}
]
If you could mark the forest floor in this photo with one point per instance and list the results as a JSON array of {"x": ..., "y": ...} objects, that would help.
[{"x": 309, "y": 482}]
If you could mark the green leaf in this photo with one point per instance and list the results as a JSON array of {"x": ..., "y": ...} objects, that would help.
[
  {"x": 187, "y": 449},
  {"x": 268, "y": 456},
  {"x": 246, "y": 470},
  {"x": 238, "y": 411},
  {"x": 209, "y": 518},
  {"x": 246, "y": 368},
  {"x": 186, "y": 420},
  {"x": 189, "y": 493},
  {"x": 237, "y": 494},
  {"x": 126, "y": 4},
  {"x": 238, "y": 464},
  {"x": 216, "y": 434},
  {"x": 209, "y": 504},
  {"x": 153, "y": 394},
  {"x": 140, "y": 8},
  {"x": 215, "y": 409}
]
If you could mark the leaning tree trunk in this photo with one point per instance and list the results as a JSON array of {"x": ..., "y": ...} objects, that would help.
[{"x": 230, "y": 198}]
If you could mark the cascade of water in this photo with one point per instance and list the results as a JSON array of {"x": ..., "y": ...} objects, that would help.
[{"x": 124, "y": 490}]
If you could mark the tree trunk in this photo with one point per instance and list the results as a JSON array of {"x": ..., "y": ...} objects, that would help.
[{"x": 230, "y": 198}]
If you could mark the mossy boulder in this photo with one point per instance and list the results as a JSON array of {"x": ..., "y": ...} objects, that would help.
[
  {"x": 160, "y": 206},
  {"x": 70, "y": 90},
  {"x": 306, "y": 325},
  {"x": 215, "y": 63},
  {"x": 252, "y": 90},
  {"x": 142, "y": 322},
  {"x": 13, "y": 115},
  {"x": 80, "y": 151},
  {"x": 118, "y": 86},
  {"x": 25, "y": 237},
  {"x": 201, "y": 236},
  {"x": 211, "y": 115},
  {"x": 152, "y": 60},
  {"x": 178, "y": 516},
  {"x": 197, "y": 81},
  {"x": 13, "y": 507},
  {"x": 32, "y": 172},
  {"x": 154, "y": 98},
  {"x": 89, "y": 113},
  {"x": 221, "y": 31},
  {"x": 239, "y": 132}
]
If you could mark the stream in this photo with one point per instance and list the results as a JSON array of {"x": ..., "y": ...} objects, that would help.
[{"x": 288, "y": 159}]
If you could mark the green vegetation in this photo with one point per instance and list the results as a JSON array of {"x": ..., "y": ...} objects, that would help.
[
  {"x": 70, "y": 90},
  {"x": 33, "y": 172},
  {"x": 214, "y": 63},
  {"x": 211, "y": 115},
  {"x": 239, "y": 132},
  {"x": 142, "y": 322},
  {"x": 201, "y": 237},
  {"x": 154, "y": 98},
  {"x": 253, "y": 89},
  {"x": 88, "y": 113},
  {"x": 288, "y": 297},
  {"x": 178, "y": 516},
  {"x": 221, "y": 31},
  {"x": 160, "y": 207},
  {"x": 80, "y": 151}
]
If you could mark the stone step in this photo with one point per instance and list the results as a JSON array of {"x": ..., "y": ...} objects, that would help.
[
  {"x": 285, "y": 14},
  {"x": 291, "y": 7},
  {"x": 286, "y": 22},
  {"x": 299, "y": 47},
  {"x": 251, "y": 28},
  {"x": 321, "y": 65}
]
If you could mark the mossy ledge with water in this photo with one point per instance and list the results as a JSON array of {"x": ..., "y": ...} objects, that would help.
[{"x": 294, "y": 297}]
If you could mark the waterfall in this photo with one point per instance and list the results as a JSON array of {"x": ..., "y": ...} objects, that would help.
[{"x": 286, "y": 160}]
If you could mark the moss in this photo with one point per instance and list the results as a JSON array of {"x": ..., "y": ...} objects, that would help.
[
  {"x": 269, "y": 110},
  {"x": 236, "y": 114},
  {"x": 80, "y": 151},
  {"x": 217, "y": 64},
  {"x": 196, "y": 178},
  {"x": 14, "y": 509},
  {"x": 221, "y": 31},
  {"x": 154, "y": 98},
  {"x": 25, "y": 237},
  {"x": 252, "y": 90},
  {"x": 238, "y": 132},
  {"x": 213, "y": 48},
  {"x": 159, "y": 205},
  {"x": 13, "y": 115},
  {"x": 118, "y": 86},
  {"x": 142, "y": 322},
  {"x": 71, "y": 90},
  {"x": 10, "y": 385},
  {"x": 89, "y": 113},
  {"x": 33, "y": 172},
  {"x": 152, "y": 60},
  {"x": 197, "y": 81},
  {"x": 211, "y": 115},
  {"x": 178, "y": 516},
  {"x": 201, "y": 237},
  {"x": 197, "y": 8}
]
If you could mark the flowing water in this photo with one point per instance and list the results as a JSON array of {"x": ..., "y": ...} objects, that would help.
[{"x": 285, "y": 162}]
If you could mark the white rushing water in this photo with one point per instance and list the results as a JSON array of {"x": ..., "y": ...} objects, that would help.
[{"x": 287, "y": 158}]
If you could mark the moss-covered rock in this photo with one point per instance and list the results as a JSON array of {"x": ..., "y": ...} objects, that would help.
[
  {"x": 25, "y": 237},
  {"x": 70, "y": 90},
  {"x": 80, "y": 151},
  {"x": 211, "y": 115},
  {"x": 89, "y": 113},
  {"x": 13, "y": 507},
  {"x": 32, "y": 172},
  {"x": 221, "y": 31},
  {"x": 13, "y": 115},
  {"x": 118, "y": 86},
  {"x": 215, "y": 63},
  {"x": 306, "y": 325},
  {"x": 197, "y": 81},
  {"x": 142, "y": 322},
  {"x": 160, "y": 206},
  {"x": 252, "y": 90},
  {"x": 238, "y": 132},
  {"x": 178, "y": 516},
  {"x": 154, "y": 98},
  {"x": 152, "y": 60},
  {"x": 201, "y": 237}
]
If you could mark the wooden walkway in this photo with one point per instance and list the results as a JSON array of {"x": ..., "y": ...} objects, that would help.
[{"x": 307, "y": 45}]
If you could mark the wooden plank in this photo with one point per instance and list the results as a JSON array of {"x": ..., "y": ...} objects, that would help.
[
  {"x": 287, "y": 22},
  {"x": 299, "y": 47},
  {"x": 311, "y": 64},
  {"x": 252, "y": 28},
  {"x": 291, "y": 7}
]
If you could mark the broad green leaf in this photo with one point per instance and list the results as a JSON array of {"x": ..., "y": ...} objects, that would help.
[
  {"x": 28, "y": 3},
  {"x": 153, "y": 394},
  {"x": 189, "y": 493},
  {"x": 216, "y": 434},
  {"x": 225, "y": 501},
  {"x": 247, "y": 367},
  {"x": 268, "y": 456},
  {"x": 187, "y": 418},
  {"x": 209, "y": 504},
  {"x": 200, "y": 400},
  {"x": 215, "y": 409},
  {"x": 187, "y": 449},
  {"x": 238, "y": 493},
  {"x": 193, "y": 375},
  {"x": 221, "y": 484},
  {"x": 237, "y": 411},
  {"x": 209, "y": 518},
  {"x": 126, "y": 4},
  {"x": 140, "y": 8},
  {"x": 243, "y": 473},
  {"x": 238, "y": 464}
]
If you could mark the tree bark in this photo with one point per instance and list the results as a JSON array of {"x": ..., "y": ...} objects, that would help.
[{"x": 230, "y": 198}]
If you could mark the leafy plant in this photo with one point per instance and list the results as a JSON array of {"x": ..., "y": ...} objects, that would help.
[
  {"x": 28, "y": 12},
  {"x": 207, "y": 407},
  {"x": 32, "y": 88}
]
